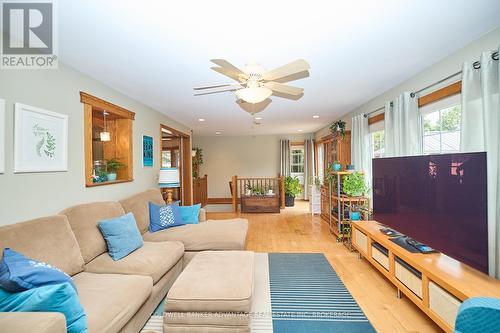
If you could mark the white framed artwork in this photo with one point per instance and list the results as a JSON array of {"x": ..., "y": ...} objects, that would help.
[
  {"x": 2, "y": 136},
  {"x": 40, "y": 140}
]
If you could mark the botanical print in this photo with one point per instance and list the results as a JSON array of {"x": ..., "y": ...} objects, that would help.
[
  {"x": 40, "y": 140},
  {"x": 46, "y": 143}
]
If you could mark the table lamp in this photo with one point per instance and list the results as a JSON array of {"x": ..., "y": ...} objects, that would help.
[{"x": 169, "y": 179}]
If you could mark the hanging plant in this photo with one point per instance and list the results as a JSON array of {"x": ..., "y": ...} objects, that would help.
[{"x": 338, "y": 127}]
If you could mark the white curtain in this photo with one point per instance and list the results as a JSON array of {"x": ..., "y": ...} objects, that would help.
[
  {"x": 285, "y": 157},
  {"x": 361, "y": 150},
  {"x": 403, "y": 127},
  {"x": 480, "y": 131},
  {"x": 308, "y": 166}
]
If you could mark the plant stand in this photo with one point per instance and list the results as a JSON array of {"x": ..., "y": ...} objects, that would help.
[{"x": 340, "y": 207}]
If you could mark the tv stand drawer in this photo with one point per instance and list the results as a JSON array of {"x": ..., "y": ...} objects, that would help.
[
  {"x": 380, "y": 255},
  {"x": 361, "y": 241},
  {"x": 443, "y": 303},
  {"x": 409, "y": 276}
]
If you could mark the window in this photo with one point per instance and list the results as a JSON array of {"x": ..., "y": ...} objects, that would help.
[
  {"x": 378, "y": 144},
  {"x": 166, "y": 159},
  {"x": 442, "y": 130},
  {"x": 321, "y": 162},
  {"x": 297, "y": 165},
  {"x": 377, "y": 134}
]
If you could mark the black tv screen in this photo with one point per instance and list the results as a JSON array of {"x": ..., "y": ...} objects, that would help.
[{"x": 439, "y": 200}]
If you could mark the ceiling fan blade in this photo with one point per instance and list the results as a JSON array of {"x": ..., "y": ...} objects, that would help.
[
  {"x": 240, "y": 77},
  {"x": 227, "y": 65},
  {"x": 284, "y": 89},
  {"x": 286, "y": 70},
  {"x": 215, "y": 86},
  {"x": 217, "y": 91}
]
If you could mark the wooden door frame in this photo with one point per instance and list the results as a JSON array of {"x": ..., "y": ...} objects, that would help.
[{"x": 185, "y": 192}]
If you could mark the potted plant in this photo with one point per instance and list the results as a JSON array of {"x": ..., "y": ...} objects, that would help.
[
  {"x": 197, "y": 161},
  {"x": 269, "y": 190},
  {"x": 292, "y": 189},
  {"x": 112, "y": 166},
  {"x": 354, "y": 185}
]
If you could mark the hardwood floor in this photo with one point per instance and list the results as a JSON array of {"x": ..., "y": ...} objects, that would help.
[{"x": 294, "y": 230}]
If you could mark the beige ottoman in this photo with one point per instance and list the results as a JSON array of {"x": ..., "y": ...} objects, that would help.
[{"x": 213, "y": 294}]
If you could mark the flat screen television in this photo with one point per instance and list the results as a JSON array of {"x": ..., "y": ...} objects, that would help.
[{"x": 439, "y": 200}]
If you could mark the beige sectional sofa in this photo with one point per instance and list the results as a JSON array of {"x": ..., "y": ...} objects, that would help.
[{"x": 118, "y": 296}]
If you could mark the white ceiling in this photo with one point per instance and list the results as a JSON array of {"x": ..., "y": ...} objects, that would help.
[{"x": 157, "y": 51}]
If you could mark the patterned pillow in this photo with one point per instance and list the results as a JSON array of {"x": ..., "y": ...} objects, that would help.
[
  {"x": 18, "y": 273},
  {"x": 163, "y": 217}
]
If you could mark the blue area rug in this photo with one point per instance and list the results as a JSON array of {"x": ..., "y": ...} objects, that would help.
[{"x": 308, "y": 296}]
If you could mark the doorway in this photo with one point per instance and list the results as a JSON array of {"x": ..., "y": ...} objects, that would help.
[{"x": 176, "y": 153}]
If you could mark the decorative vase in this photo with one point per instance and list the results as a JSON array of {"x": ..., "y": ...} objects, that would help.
[
  {"x": 111, "y": 177},
  {"x": 289, "y": 201},
  {"x": 355, "y": 216},
  {"x": 350, "y": 167},
  {"x": 336, "y": 166}
]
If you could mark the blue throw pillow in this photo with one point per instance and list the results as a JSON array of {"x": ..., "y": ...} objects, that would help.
[
  {"x": 190, "y": 213},
  {"x": 121, "y": 235},
  {"x": 18, "y": 273},
  {"x": 51, "y": 298},
  {"x": 163, "y": 217}
]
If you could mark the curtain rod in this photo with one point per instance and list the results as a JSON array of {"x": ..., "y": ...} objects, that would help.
[{"x": 476, "y": 65}]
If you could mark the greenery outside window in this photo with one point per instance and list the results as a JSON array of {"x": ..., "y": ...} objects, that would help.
[
  {"x": 378, "y": 143},
  {"x": 442, "y": 130}
]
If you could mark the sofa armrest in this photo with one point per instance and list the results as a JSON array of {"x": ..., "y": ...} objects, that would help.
[
  {"x": 202, "y": 216},
  {"x": 478, "y": 315},
  {"x": 32, "y": 322}
]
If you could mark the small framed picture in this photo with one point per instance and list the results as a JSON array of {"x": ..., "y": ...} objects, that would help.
[
  {"x": 40, "y": 140},
  {"x": 2, "y": 136},
  {"x": 147, "y": 151}
]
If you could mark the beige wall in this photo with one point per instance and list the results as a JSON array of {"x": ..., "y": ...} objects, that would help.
[
  {"x": 445, "y": 67},
  {"x": 26, "y": 196},
  {"x": 244, "y": 156}
]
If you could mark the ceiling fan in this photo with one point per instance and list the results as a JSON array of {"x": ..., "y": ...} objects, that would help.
[{"x": 255, "y": 84}]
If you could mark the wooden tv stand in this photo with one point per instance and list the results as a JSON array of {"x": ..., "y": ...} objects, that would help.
[{"x": 436, "y": 283}]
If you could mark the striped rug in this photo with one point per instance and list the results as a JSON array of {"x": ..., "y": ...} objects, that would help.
[
  {"x": 296, "y": 293},
  {"x": 308, "y": 296}
]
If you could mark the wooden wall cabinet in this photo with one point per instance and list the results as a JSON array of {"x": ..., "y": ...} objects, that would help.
[{"x": 119, "y": 123}]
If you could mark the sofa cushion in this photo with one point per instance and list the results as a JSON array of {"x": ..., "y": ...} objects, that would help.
[
  {"x": 48, "y": 239},
  {"x": 214, "y": 281},
  {"x": 138, "y": 204},
  {"x": 153, "y": 259},
  {"x": 210, "y": 235},
  {"x": 32, "y": 322},
  {"x": 110, "y": 300},
  {"x": 83, "y": 220}
]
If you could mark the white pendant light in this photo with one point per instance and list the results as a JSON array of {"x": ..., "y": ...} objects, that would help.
[
  {"x": 105, "y": 136},
  {"x": 254, "y": 94}
]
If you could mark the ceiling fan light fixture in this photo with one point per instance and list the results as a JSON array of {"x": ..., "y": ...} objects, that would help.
[{"x": 254, "y": 94}]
